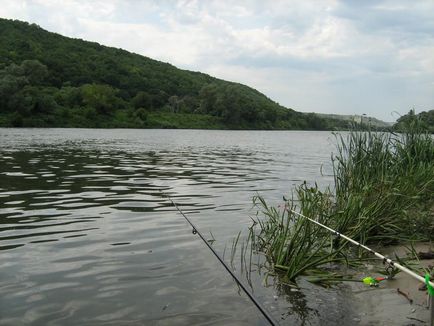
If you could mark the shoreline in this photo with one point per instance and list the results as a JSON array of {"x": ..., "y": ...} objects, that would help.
[{"x": 383, "y": 305}]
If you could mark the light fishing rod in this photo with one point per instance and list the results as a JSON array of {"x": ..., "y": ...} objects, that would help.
[
  {"x": 264, "y": 312},
  {"x": 425, "y": 280}
]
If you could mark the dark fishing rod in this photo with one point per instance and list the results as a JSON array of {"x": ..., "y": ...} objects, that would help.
[{"x": 250, "y": 295}]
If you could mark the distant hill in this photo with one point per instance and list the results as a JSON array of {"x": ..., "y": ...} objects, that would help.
[
  {"x": 48, "y": 80},
  {"x": 424, "y": 120},
  {"x": 359, "y": 119}
]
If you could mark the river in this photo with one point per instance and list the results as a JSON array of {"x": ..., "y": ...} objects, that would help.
[{"x": 87, "y": 235}]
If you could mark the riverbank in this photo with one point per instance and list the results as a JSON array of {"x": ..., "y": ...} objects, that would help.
[
  {"x": 384, "y": 305},
  {"x": 382, "y": 195}
]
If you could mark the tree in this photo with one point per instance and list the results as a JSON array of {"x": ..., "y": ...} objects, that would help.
[
  {"x": 100, "y": 97},
  {"x": 13, "y": 81},
  {"x": 207, "y": 96},
  {"x": 69, "y": 97},
  {"x": 34, "y": 71},
  {"x": 32, "y": 100},
  {"x": 174, "y": 103},
  {"x": 142, "y": 100}
]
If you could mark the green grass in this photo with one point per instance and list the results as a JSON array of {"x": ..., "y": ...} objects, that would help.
[{"x": 383, "y": 192}]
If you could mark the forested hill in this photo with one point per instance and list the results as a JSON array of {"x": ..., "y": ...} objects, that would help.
[
  {"x": 424, "y": 120},
  {"x": 48, "y": 80}
]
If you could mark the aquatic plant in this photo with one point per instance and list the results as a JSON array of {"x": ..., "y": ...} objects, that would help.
[
  {"x": 291, "y": 244},
  {"x": 383, "y": 192},
  {"x": 384, "y": 185}
]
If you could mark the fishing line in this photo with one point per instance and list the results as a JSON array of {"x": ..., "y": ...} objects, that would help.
[{"x": 264, "y": 312}]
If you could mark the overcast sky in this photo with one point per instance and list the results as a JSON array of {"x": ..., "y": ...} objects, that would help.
[{"x": 346, "y": 57}]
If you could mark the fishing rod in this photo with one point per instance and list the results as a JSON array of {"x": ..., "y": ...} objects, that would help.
[
  {"x": 264, "y": 312},
  {"x": 425, "y": 280}
]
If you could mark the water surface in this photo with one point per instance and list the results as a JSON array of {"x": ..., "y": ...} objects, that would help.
[{"x": 88, "y": 236}]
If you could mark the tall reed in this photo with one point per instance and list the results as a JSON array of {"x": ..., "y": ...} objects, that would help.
[
  {"x": 383, "y": 192},
  {"x": 293, "y": 245},
  {"x": 384, "y": 185}
]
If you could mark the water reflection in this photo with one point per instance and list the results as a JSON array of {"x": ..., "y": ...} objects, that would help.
[{"x": 87, "y": 236}]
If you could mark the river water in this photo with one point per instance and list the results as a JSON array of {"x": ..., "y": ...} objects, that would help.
[{"x": 87, "y": 236}]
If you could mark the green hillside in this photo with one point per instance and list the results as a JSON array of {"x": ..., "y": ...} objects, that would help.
[{"x": 48, "y": 80}]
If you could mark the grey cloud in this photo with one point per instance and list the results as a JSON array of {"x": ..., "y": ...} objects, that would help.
[{"x": 405, "y": 18}]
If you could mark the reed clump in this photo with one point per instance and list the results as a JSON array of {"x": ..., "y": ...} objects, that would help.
[
  {"x": 383, "y": 192},
  {"x": 384, "y": 186},
  {"x": 293, "y": 245}
]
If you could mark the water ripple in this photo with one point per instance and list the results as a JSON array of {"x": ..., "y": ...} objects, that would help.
[{"x": 88, "y": 236}]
